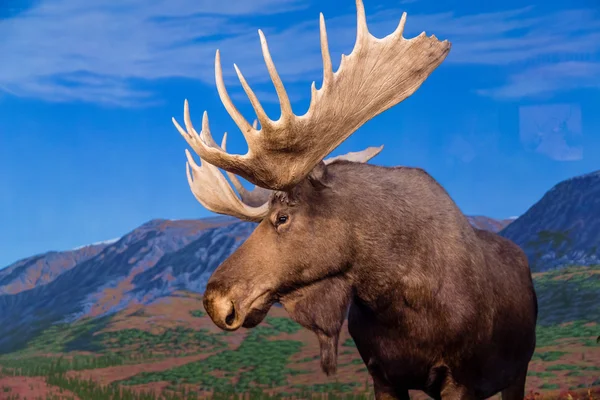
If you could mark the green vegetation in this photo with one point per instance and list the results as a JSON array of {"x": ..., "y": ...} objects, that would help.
[
  {"x": 258, "y": 361},
  {"x": 129, "y": 346},
  {"x": 563, "y": 367},
  {"x": 307, "y": 359},
  {"x": 569, "y": 294},
  {"x": 557, "y": 241},
  {"x": 541, "y": 374},
  {"x": 329, "y": 387},
  {"x": 41, "y": 366},
  {"x": 548, "y": 355},
  {"x": 262, "y": 363},
  {"x": 549, "y": 386},
  {"x": 575, "y": 331},
  {"x": 584, "y": 277},
  {"x": 63, "y": 337},
  {"x": 574, "y": 373},
  {"x": 89, "y": 390},
  {"x": 197, "y": 313},
  {"x": 173, "y": 341}
]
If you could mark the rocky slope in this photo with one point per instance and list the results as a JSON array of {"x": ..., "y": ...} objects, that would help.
[
  {"x": 563, "y": 228},
  {"x": 41, "y": 269},
  {"x": 149, "y": 262}
]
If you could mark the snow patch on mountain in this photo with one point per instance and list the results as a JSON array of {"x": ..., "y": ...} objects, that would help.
[{"x": 102, "y": 243}]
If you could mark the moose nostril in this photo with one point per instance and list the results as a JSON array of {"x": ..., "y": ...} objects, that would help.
[{"x": 231, "y": 316}]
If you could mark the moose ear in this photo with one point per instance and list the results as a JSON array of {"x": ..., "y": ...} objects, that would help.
[{"x": 318, "y": 176}]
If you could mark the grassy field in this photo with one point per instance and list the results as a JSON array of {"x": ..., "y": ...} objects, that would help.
[{"x": 171, "y": 350}]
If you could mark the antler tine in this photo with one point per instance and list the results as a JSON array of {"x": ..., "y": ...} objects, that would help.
[
  {"x": 327, "y": 68},
  {"x": 237, "y": 117},
  {"x": 362, "y": 30},
  {"x": 190, "y": 135},
  {"x": 255, "y": 198},
  {"x": 205, "y": 134},
  {"x": 212, "y": 190},
  {"x": 357, "y": 156},
  {"x": 284, "y": 100},
  {"x": 258, "y": 109},
  {"x": 376, "y": 75}
]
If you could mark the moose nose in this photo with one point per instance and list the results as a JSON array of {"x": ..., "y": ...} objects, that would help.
[{"x": 222, "y": 311}]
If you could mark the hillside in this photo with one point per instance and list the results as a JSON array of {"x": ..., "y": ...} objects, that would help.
[
  {"x": 563, "y": 228},
  {"x": 151, "y": 261},
  {"x": 171, "y": 347},
  {"x": 42, "y": 269}
]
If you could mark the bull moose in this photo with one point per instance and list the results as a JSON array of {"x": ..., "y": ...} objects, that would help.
[{"x": 433, "y": 304}]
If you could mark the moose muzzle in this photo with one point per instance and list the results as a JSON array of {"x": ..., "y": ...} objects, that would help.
[
  {"x": 236, "y": 306},
  {"x": 222, "y": 310}
]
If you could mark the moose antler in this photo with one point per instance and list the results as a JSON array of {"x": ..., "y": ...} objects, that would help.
[
  {"x": 257, "y": 196},
  {"x": 378, "y": 74},
  {"x": 211, "y": 189}
]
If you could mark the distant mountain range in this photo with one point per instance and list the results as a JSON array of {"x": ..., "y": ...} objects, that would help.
[
  {"x": 489, "y": 224},
  {"x": 164, "y": 256},
  {"x": 562, "y": 228}
]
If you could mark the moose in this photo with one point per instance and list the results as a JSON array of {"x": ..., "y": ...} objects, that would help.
[{"x": 432, "y": 303}]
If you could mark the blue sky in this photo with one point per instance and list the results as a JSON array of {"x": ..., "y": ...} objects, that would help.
[{"x": 87, "y": 91}]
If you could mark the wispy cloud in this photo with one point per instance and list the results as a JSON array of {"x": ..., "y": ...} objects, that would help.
[
  {"x": 549, "y": 78},
  {"x": 61, "y": 50},
  {"x": 64, "y": 51}
]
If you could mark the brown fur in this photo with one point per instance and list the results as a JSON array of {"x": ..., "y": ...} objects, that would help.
[{"x": 434, "y": 304}]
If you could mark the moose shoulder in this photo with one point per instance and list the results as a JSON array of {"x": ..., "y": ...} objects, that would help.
[{"x": 433, "y": 304}]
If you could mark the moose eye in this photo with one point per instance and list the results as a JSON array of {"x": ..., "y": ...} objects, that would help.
[{"x": 282, "y": 219}]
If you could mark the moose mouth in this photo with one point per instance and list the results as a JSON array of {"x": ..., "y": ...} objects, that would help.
[{"x": 258, "y": 310}]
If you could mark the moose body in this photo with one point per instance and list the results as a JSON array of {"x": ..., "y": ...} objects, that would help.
[
  {"x": 435, "y": 304},
  {"x": 432, "y": 303}
]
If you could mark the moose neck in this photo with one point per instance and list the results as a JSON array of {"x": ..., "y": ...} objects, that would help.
[
  {"x": 406, "y": 230},
  {"x": 403, "y": 228}
]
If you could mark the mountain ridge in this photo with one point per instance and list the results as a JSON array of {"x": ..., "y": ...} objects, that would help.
[{"x": 563, "y": 227}]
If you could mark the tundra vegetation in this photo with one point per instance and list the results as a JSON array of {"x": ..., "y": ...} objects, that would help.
[{"x": 81, "y": 360}]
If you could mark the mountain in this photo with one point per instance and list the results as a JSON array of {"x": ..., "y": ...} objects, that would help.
[
  {"x": 41, "y": 269},
  {"x": 563, "y": 228},
  {"x": 148, "y": 263},
  {"x": 489, "y": 224}
]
